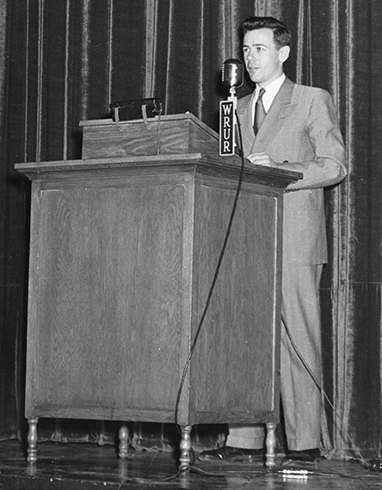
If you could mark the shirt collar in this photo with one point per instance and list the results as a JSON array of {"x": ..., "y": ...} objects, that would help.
[{"x": 270, "y": 91}]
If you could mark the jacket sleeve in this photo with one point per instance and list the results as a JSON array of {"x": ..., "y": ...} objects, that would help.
[{"x": 327, "y": 165}]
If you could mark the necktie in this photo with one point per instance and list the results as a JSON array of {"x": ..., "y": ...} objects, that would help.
[{"x": 259, "y": 111}]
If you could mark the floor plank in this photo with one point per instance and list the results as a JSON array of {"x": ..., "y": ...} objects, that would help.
[{"x": 88, "y": 466}]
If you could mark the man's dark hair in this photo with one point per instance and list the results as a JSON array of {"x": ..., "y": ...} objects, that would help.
[{"x": 281, "y": 34}]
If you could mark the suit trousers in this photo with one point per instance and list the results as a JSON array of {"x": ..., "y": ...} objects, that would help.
[{"x": 300, "y": 364}]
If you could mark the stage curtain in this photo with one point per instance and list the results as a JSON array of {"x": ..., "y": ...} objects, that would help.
[{"x": 66, "y": 61}]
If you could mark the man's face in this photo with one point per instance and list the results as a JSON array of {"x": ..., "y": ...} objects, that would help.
[{"x": 263, "y": 61}]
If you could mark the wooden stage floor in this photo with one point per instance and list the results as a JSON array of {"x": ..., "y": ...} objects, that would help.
[{"x": 89, "y": 466}]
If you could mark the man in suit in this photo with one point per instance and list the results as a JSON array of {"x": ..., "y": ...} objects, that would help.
[{"x": 296, "y": 130}]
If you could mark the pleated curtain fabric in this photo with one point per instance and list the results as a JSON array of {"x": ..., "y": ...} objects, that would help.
[{"x": 63, "y": 62}]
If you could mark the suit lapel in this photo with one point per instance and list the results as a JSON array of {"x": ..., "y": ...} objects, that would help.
[
  {"x": 244, "y": 110},
  {"x": 276, "y": 117}
]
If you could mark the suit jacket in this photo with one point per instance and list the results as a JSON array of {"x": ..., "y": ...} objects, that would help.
[{"x": 300, "y": 132}]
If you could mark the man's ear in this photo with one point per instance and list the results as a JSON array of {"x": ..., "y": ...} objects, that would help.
[{"x": 284, "y": 53}]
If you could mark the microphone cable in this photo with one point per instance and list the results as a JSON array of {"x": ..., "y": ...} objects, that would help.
[{"x": 216, "y": 274}]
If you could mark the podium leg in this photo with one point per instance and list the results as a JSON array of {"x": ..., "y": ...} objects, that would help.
[
  {"x": 185, "y": 448},
  {"x": 270, "y": 443},
  {"x": 123, "y": 441},
  {"x": 32, "y": 440}
]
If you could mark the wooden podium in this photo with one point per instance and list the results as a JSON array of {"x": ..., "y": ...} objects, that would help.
[{"x": 124, "y": 247}]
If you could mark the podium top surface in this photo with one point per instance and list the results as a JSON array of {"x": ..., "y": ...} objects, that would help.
[{"x": 196, "y": 163}]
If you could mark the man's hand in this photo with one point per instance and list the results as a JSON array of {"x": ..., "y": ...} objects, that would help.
[{"x": 262, "y": 159}]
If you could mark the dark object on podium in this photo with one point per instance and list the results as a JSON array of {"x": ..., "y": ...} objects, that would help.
[
  {"x": 123, "y": 251},
  {"x": 125, "y": 110}
]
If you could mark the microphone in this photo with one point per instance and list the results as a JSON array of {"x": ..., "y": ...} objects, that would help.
[
  {"x": 233, "y": 76},
  {"x": 233, "y": 73}
]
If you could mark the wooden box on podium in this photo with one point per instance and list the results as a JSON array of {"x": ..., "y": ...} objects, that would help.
[{"x": 124, "y": 248}]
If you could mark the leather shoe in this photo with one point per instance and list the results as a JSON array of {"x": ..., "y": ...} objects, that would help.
[
  {"x": 305, "y": 456},
  {"x": 230, "y": 454}
]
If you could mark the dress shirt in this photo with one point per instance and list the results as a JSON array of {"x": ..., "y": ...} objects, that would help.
[{"x": 269, "y": 95}]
